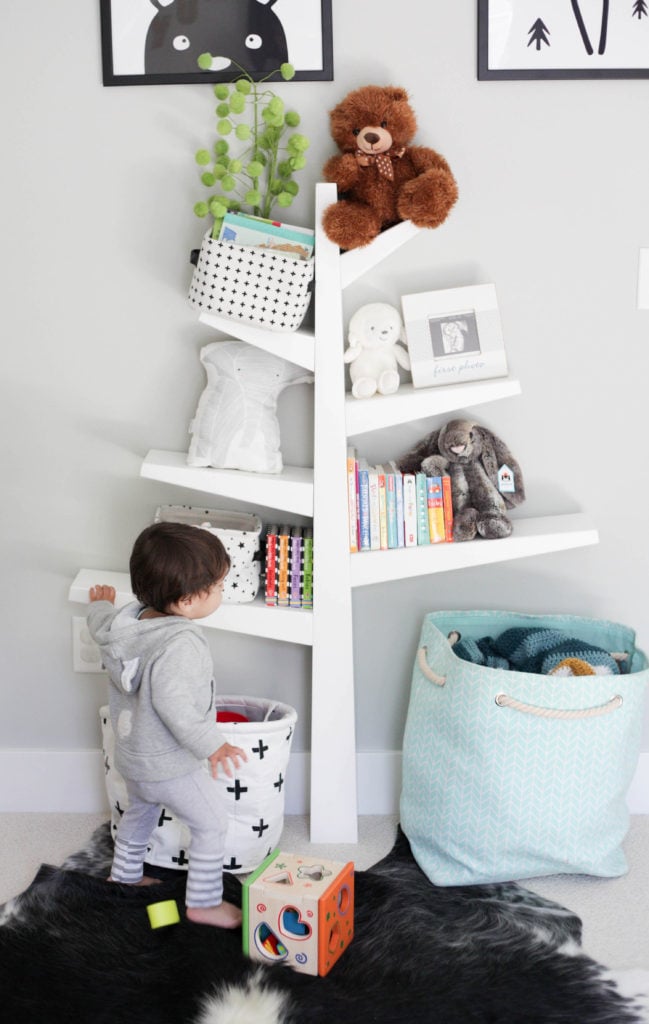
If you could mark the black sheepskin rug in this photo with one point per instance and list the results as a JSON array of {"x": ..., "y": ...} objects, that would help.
[{"x": 75, "y": 949}]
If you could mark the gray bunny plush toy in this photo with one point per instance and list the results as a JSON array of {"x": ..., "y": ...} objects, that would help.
[{"x": 486, "y": 479}]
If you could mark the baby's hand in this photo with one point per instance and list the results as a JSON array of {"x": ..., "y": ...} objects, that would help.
[
  {"x": 102, "y": 593},
  {"x": 223, "y": 756}
]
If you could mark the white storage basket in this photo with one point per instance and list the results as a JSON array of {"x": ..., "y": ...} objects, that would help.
[
  {"x": 255, "y": 793},
  {"x": 248, "y": 283},
  {"x": 239, "y": 533}
]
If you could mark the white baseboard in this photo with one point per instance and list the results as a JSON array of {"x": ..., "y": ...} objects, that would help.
[{"x": 73, "y": 781}]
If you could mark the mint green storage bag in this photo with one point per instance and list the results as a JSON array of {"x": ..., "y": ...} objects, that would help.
[{"x": 510, "y": 775}]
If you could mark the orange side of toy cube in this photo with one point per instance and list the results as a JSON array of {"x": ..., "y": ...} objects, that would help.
[{"x": 336, "y": 919}]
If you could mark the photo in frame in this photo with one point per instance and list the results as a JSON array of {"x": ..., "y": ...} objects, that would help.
[
  {"x": 520, "y": 39},
  {"x": 158, "y": 42},
  {"x": 454, "y": 335}
]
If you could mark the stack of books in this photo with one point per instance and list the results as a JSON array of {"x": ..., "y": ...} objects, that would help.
[
  {"x": 290, "y": 240},
  {"x": 391, "y": 509},
  {"x": 288, "y": 571}
]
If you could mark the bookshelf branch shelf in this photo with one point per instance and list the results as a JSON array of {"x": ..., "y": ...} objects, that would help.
[
  {"x": 290, "y": 490},
  {"x": 289, "y": 624},
  {"x": 539, "y": 536},
  {"x": 321, "y": 492},
  {"x": 298, "y": 346},
  {"x": 408, "y": 403}
]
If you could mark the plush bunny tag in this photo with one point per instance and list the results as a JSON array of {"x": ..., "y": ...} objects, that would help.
[{"x": 506, "y": 482}]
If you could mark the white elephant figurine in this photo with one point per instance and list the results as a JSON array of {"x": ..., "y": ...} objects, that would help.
[{"x": 375, "y": 331}]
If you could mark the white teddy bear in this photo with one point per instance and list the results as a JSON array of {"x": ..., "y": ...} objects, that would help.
[{"x": 375, "y": 331}]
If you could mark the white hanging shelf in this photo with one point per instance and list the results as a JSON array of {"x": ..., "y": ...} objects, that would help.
[
  {"x": 296, "y": 346},
  {"x": 294, "y": 625},
  {"x": 409, "y": 403},
  {"x": 356, "y": 262},
  {"x": 291, "y": 490},
  {"x": 538, "y": 536}
]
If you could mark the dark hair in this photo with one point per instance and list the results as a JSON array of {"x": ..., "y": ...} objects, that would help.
[{"x": 170, "y": 561}]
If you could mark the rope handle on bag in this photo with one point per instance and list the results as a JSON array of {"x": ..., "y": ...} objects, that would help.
[
  {"x": 426, "y": 670},
  {"x": 504, "y": 701}
]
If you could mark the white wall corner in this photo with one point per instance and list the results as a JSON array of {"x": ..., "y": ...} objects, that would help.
[{"x": 73, "y": 782}]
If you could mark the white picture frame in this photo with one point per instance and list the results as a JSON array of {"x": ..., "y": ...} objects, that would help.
[
  {"x": 454, "y": 335},
  {"x": 526, "y": 39}
]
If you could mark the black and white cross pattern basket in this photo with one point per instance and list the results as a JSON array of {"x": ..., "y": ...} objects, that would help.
[
  {"x": 254, "y": 795},
  {"x": 250, "y": 284}
]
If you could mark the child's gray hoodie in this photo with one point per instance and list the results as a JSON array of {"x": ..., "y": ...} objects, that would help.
[{"x": 162, "y": 691}]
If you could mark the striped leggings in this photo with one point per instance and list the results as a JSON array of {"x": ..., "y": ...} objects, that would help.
[{"x": 197, "y": 801}]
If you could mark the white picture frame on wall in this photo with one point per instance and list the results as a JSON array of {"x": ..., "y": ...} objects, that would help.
[
  {"x": 526, "y": 39},
  {"x": 454, "y": 335}
]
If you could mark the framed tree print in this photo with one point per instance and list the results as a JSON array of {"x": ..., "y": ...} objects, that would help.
[
  {"x": 563, "y": 39},
  {"x": 158, "y": 42}
]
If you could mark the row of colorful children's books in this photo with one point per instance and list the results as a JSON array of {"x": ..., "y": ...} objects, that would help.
[
  {"x": 288, "y": 569},
  {"x": 391, "y": 509}
]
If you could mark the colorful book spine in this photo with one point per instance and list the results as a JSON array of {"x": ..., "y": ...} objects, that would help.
[
  {"x": 435, "y": 509},
  {"x": 358, "y": 511},
  {"x": 383, "y": 510},
  {"x": 307, "y": 568},
  {"x": 364, "y": 506},
  {"x": 283, "y": 566},
  {"x": 398, "y": 488},
  {"x": 352, "y": 505},
  {"x": 246, "y": 230},
  {"x": 375, "y": 516},
  {"x": 295, "y": 564},
  {"x": 270, "y": 596},
  {"x": 409, "y": 510},
  {"x": 448, "y": 507},
  {"x": 391, "y": 508},
  {"x": 423, "y": 529}
]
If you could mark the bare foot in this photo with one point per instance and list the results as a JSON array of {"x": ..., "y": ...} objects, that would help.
[{"x": 225, "y": 915}]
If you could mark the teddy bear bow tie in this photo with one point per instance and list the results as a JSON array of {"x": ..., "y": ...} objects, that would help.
[{"x": 383, "y": 161}]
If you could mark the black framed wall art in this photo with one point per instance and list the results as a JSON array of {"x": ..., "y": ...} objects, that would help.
[
  {"x": 158, "y": 42},
  {"x": 563, "y": 39}
]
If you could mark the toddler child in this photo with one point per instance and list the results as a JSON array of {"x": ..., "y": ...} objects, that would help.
[{"x": 162, "y": 707}]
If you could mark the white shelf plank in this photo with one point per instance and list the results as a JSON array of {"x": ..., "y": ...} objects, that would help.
[
  {"x": 290, "y": 491},
  {"x": 296, "y": 346},
  {"x": 294, "y": 625},
  {"x": 536, "y": 536},
  {"x": 356, "y": 262},
  {"x": 409, "y": 403}
]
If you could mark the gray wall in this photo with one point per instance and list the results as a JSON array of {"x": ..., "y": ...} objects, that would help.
[{"x": 101, "y": 347}]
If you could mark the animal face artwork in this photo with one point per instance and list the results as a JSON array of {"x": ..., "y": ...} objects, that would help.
[{"x": 247, "y": 33}]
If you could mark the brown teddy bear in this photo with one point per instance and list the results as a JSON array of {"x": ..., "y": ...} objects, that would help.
[{"x": 381, "y": 178}]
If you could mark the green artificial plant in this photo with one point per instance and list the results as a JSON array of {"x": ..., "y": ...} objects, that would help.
[{"x": 259, "y": 176}]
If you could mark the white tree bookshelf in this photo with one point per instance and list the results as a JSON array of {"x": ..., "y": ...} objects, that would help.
[{"x": 321, "y": 492}]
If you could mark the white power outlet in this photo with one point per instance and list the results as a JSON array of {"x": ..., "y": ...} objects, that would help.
[{"x": 85, "y": 653}]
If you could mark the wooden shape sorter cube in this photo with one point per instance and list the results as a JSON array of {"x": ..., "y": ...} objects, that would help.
[{"x": 299, "y": 911}]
